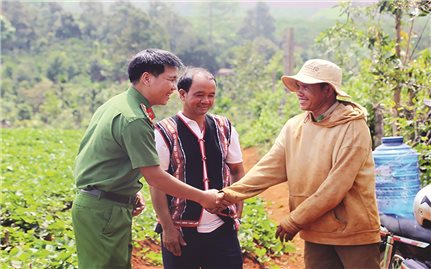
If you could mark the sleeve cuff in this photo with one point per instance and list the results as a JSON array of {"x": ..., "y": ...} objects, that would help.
[
  {"x": 229, "y": 196},
  {"x": 289, "y": 225}
]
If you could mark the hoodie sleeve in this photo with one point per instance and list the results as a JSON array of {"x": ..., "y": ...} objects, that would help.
[
  {"x": 352, "y": 158},
  {"x": 269, "y": 171}
]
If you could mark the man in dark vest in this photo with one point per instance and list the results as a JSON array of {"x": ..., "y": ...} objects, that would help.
[{"x": 203, "y": 151}]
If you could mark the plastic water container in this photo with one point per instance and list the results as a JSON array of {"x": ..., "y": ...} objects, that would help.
[{"x": 397, "y": 176}]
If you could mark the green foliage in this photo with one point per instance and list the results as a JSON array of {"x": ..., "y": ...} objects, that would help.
[
  {"x": 91, "y": 16},
  {"x": 210, "y": 23},
  {"x": 61, "y": 89},
  {"x": 257, "y": 233},
  {"x": 129, "y": 30},
  {"x": 264, "y": 104},
  {"x": 7, "y": 30},
  {"x": 37, "y": 191},
  {"x": 258, "y": 23}
]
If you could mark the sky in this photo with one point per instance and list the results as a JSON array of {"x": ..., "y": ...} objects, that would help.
[{"x": 279, "y": 8}]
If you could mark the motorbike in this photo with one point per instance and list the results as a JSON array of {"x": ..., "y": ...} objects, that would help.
[{"x": 404, "y": 243}]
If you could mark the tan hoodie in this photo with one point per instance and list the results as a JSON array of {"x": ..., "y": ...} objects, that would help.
[{"x": 329, "y": 169}]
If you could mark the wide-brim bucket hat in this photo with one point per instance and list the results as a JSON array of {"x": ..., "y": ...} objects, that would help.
[{"x": 317, "y": 71}]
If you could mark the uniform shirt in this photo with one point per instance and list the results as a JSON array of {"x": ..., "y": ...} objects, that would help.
[
  {"x": 119, "y": 140},
  {"x": 209, "y": 222}
]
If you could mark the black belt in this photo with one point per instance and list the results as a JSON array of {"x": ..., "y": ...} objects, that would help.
[{"x": 110, "y": 196}]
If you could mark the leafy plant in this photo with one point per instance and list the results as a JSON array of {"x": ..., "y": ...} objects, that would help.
[
  {"x": 37, "y": 191},
  {"x": 257, "y": 233}
]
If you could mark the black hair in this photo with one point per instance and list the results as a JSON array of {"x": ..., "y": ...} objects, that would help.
[
  {"x": 324, "y": 84},
  {"x": 152, "y": 61},
  {"x": 186, "y": 78}
]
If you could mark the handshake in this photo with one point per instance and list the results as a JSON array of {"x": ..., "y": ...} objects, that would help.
[{"x": 214, "y": 201}]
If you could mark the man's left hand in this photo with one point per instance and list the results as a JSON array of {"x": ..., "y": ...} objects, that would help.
[
  {"x": 139, "y": 204},
  {"x": 287, "y": 230}
]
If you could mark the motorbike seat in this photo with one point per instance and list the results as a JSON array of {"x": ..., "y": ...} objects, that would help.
[{"x": 405, "y": 227}]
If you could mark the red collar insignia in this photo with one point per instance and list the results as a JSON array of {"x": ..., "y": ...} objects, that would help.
[{"x": 148, "y": 112}]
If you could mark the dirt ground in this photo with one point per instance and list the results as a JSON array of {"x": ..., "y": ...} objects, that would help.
[{"x": 277, "y": 204}]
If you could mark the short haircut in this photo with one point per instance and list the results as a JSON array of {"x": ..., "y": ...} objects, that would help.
[
  {"x": 324, "y": 84},
  {"x": 152, "y": 61},
  {"x": 186, "y": 78}
]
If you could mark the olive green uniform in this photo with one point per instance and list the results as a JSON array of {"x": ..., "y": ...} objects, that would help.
[{"x": 119, "y": 140}]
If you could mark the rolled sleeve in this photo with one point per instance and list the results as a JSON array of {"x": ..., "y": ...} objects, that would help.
[{"x": 162, "y": 150}]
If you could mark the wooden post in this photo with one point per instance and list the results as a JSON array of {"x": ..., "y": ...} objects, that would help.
[
  {"x": 288, "y": 60},
  {"x": 288, "y": 48}
]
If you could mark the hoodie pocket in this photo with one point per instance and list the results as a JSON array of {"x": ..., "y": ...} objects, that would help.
[{"x": 328, "y": 223}]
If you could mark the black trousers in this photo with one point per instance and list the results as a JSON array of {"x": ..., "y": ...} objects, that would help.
[{"x": 215, "y": 250}]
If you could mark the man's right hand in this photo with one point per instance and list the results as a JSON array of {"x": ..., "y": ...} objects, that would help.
[
  {"x": 213, "y": 199},
  {"x": 173, "y": 240}
]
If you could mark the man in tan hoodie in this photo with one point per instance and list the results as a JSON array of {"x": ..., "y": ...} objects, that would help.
[{"x": 325, "y": 156}]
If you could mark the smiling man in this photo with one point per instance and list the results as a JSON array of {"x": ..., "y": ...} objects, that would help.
[
  {"x": 325, "y": 156},
  {"x": 202, "y": 150},
  {"x": 117, "y": 149}
]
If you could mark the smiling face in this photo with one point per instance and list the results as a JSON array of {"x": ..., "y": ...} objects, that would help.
[
  {"x": 200, "y": 97},
  {"x": 315, "y": 97},
  {"x": 162, "y": 86}
]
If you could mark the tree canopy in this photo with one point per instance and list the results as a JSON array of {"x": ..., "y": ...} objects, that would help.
[{"x": 60, "y": 64}]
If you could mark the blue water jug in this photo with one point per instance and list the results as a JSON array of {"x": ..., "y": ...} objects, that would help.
[{"x": 397, "y": 176}]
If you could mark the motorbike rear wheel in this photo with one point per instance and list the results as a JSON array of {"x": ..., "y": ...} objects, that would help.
[{"x": 395, "y": 263}]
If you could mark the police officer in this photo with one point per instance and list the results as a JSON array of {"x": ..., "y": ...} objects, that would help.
[{"x": 117, "y": 149}]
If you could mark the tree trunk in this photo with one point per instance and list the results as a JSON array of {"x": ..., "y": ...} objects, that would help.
[
  {"x": 397, "y": 90},
  {"x": 378, "y": 125}
]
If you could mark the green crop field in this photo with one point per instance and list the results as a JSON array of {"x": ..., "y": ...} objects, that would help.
[{"x": 37, "y": 191}]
